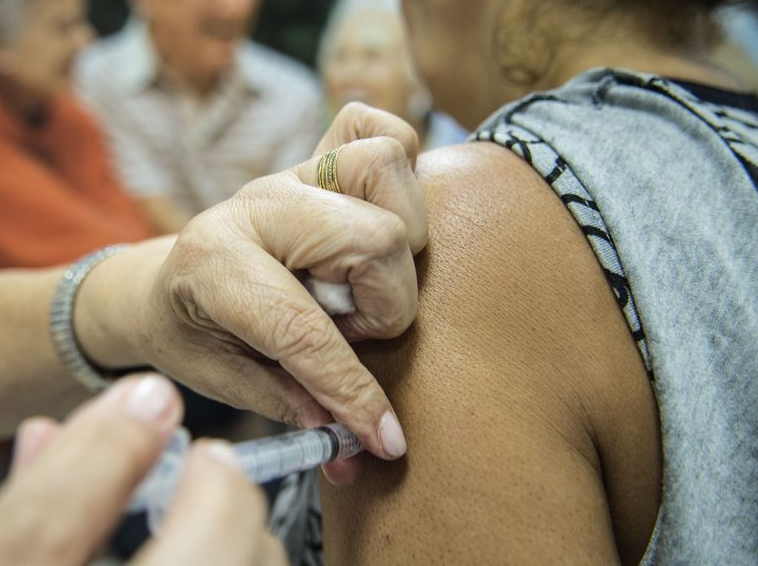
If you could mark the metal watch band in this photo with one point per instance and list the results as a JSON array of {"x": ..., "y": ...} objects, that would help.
[{"x": 62, "y": 319}]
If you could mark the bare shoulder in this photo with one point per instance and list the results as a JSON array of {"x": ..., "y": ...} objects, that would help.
[{"x": 531, "y": 425}]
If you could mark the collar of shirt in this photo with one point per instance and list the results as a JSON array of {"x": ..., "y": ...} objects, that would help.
[{"x": 145, "y": 72}]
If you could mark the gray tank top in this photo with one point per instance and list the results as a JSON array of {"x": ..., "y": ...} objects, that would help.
[{"x": 663, "y": 184}]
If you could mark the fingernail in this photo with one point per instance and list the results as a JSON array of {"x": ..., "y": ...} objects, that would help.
[
  {"x": 391, "y": 435},
  {"x": 328, "y": 475},
  {"x": 149, "y": 399},
  {"x": 223, "y": 453}
]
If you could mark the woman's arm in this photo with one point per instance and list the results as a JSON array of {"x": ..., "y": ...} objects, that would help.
[
  {"x": 32, "y": 379},
  {"x": 531, "y": 425}
]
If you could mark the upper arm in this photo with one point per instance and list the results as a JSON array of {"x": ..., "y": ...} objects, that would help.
[{"x": 531, "y": 425}]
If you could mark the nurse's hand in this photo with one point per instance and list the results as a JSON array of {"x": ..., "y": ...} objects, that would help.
[
  {"x": 218, "y": 306},
  {"x": 70, "y": 483}
]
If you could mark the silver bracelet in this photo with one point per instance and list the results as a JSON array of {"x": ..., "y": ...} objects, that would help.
[{"x": 62, "y": 320}]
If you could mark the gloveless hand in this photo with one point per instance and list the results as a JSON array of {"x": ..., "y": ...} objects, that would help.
[
  {"x": 228, "y": 298},
  {"x": 70, "y": 484}
]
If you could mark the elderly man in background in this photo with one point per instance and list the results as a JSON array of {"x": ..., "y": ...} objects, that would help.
[
  {"x": 192, "y": 109},
  {"x": 365, "y": 56}
]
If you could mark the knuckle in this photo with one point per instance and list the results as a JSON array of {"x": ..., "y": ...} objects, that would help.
[
  {"x": 392, "y": 151},
  {"x": 388, "y": 234},
  {"x": 193, "y": 239},
  {"x": 352, "y": 110},
  {"x": 398, "y": 322}
]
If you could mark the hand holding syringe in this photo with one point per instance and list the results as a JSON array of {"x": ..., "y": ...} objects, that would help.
[{"x": 261, "y": 461}]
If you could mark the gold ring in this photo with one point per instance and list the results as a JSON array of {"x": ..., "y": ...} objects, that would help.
[{"x": 327, "y": 171}]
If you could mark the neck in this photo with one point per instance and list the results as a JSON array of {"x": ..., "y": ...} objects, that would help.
[
  {"x": 584, "y": 41},
  {"x": 642, "y": 59},
  {"x": 201, "y": 86}
]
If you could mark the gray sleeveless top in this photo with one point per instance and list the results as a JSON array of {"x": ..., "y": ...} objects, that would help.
[{"x": 663, "y": 184}]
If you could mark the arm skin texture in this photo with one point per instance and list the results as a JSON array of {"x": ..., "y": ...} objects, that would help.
[{"x": 532, "y": 428}]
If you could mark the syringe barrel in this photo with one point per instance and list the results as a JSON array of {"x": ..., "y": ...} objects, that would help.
[
  {"x": 261, "y": 461},
  {"x": 158, "y": 487},
  {"x": 269, "y": 458}
]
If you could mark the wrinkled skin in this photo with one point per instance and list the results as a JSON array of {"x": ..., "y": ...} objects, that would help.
[{"x": 227, "y": 300}]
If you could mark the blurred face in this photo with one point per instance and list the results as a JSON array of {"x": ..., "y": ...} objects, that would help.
[
  {"x": 198, "y": 38},
  {"x": 40, "y": 58},
  {"x": 452, "y": 43},
  {"x": 369, "y": 62}
]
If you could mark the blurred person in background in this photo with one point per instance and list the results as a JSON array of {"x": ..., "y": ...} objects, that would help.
[
  {"x": 59, "y": 197},
  {"x": 364, "y": 56},
  {"x": 193, "y": 110},
  {"x": 738, "y": 50}
]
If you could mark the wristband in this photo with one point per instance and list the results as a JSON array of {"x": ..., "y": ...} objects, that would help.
[{"x": 62, "y": 320}]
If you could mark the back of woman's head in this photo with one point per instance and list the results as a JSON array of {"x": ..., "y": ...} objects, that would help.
[{"x": 531, "y": 34}]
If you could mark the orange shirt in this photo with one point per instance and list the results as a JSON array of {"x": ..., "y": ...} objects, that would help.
[{"x": 59, "y": 198}]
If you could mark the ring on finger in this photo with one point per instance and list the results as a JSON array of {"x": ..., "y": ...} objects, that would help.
[{"x": 327, "y": 171}]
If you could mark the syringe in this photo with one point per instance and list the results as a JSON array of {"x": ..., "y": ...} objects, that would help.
[{"x": 260, "y": 460}]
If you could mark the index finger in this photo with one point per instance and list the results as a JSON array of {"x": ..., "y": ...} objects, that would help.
[{"x": 289, "y": 326}]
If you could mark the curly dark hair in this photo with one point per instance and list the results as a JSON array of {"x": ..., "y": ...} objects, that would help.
[{"x": 671, "y": 24}]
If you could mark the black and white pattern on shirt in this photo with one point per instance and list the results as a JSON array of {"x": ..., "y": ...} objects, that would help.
[{"x": 559, "y": 175}]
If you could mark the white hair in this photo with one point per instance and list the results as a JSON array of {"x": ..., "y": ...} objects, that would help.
[
  {"x": 342, "y": 7},
  {"x": 12, "y": 13},
  {"x": 420, "y": 101},
  {"x": 341, "y": 10}
]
